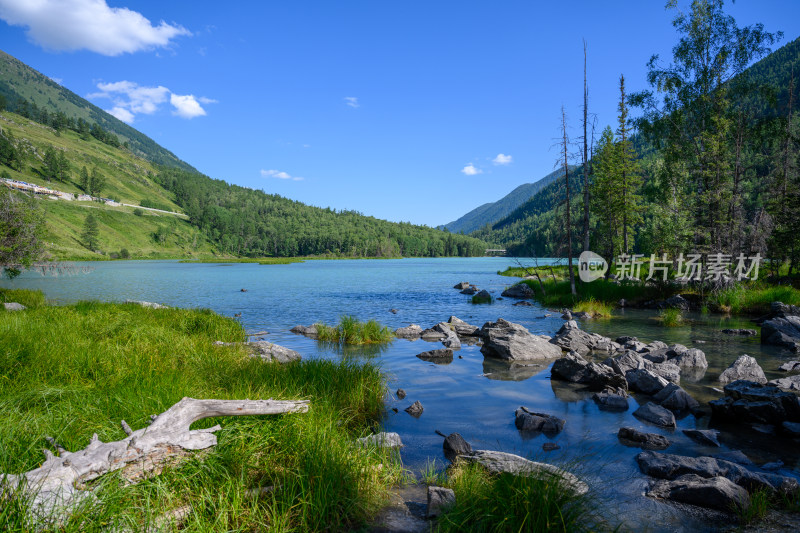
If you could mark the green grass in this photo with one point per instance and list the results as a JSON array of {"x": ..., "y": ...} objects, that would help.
[
  {"x": 594, "y": 307},
  {"x": 259, "y": 260},
  {"x": 601, "y": 291},
  {"x": 754, "y": 299},
  {"x": 351, "y": 331},
  {"x": 30, "y": 299},
  {"x": 503, "y": 503},
  {"x": 671, "y": 318},
  {"x": 75, "y": 370}
]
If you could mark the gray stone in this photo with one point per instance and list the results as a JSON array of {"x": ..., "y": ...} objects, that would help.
[
  {"x": 482, "y": 297},
  {"x": 746, "y": 368},
  {"x": 654, "y": 346},
  {"x": 520, "y": 291},
  {"x": 454, "y": 445},
  {"x": 608, "y": 401},
  {"x": 655, "y": 414},
  {"x": 648, "y": 441},
  {"x": 645, "y": 381},
  {"x": 567, "y": 315},
  {"x": 570, "y": 337},
  {"x": 462, "y": 328},
  {"x": 512, "y": 342},
  {"x": 439, "y": 498},
  {"x": 400, "y": 394},
  {"x": 440, "y": 356},
  {"x": 679, "y": 401},
  {"x": 754, "y": 403},
  {"x": 308, "y": 331},
  {"x": 784, "y": 332},
  {"x": 13, "y": 306},
  {"x": 677, "y": 302},
  {"x": 715, "y": 493},
  {"x": 461, "y": 286},
  {"x": 625, "y": 339},
  {"x": 438, "y": 332},
  {"x": 550, "y": 446},
  {"x": 574, "y": 368},
  {"x": 469, "y": 291},
  {"x": 690, "y": 359},
  {"x": 381, "y": 440},
  {"x": 451, "y": 340},
  {"x": 582, "y": 315},
  {"x": 411, "y": 331},
  {"x": 150, "y": 305},
  {"x": 703, "y": 436},
  {"x": 740, "y": 331},
  {"x": 526, "y": 420},
  {"x": 499, "y": 462},
  {"x": 415, "y": 409},
  {"x": 734, "y": 456},
  {"x": 791, "y": 366},
  {"x": 787, "y": 383},
  {"x": 273, "y": 352},
  {"x": 669, "y": 371}
]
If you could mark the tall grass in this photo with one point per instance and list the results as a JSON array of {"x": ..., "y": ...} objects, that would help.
[
  {"x": 594, "y": 307},
  {"x": 505, "y": 502},
  {"x": 754, "y": 299},
  {"x": 351, "y": 331},
  {"x": 671, "y": 318},
  {"x": 76, "y": 370},
  {"x": 558, "y": 294},
  {"x": 30, "y": 299}
]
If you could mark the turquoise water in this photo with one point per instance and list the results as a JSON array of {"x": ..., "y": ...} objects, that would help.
[{"x": 474, "y": 397}]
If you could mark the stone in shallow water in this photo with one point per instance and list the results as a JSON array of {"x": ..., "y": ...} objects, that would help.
[
  {"x": 610, "y": 402},
  {"x": 745, "y": 367},
  {"x": 655, "y": 414},
  {"x": 454, "y": 445},
  {"x": 716, "y": 492},
  {"x": 440, "y": 356},
  {"x": 526, "y": 420},
  {"x": 499, "y": 462},
  {"x": 415, "y": 409},
  {"x": 409, "y": 332},
  {"x": 648, "y": 441},
  {"x": 400, "y": 394},
  {"x": 703, "y": 436}
]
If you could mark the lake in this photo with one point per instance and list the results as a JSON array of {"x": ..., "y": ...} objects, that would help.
[{"x": 474, "y": 397}]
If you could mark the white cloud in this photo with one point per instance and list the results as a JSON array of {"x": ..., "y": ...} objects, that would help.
[
  {"x": 121, "y": 113},
  {"x": 68, "y": 25},
  {"x": 129, "y": 99},
  {"x": 471, "y": 170},
  {"x": 502, "y": 159},
  {"x": 186, "y": 106},
  {"x": 352, "y": 101},
  {"x": 279, "y": 175}
]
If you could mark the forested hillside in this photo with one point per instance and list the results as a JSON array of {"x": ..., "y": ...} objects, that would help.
[
  {"x": 716, "y": 158},
  {"x": 494, "y": 211},
  {"x": 249, "y": 222},
  {"x": 25, "y": 90}
]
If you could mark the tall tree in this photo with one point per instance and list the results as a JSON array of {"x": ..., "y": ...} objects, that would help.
[
  {"x": 627, "y": 170},
  {"x": 565, "y": 147},
  {"x": 605, "y": 195},
  {"x": 90, "y": 232},
  {"x": 585, "y": 154}
]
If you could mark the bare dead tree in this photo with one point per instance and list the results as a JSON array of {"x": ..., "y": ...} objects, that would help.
[{"x": 565, "y": 147}]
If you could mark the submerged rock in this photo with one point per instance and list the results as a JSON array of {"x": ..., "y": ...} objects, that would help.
[
  {"x": 648, "y": 441},
  {"x": 740, "y": 331},
  {"x": 308, "y": 331},
  {"x": 608, "y": 401},
  {"x": 745, "y": 367},
  {"x": 400, "y": 394},
  {"x": 512, "y": 342}
]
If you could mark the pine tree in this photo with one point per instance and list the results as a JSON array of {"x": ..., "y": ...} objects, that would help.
[
  {"x": 90, "y": 232},
  {"x": 605, "y": 195},
  {"x": 85, "y": 180},
  {"x": 628, "y": 172}
]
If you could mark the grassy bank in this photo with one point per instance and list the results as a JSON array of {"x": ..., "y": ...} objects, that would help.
[
  {"x": 350, "y": 330},
  {"x": 72, "y": 371},
  {"x": 754, "y": 299}
]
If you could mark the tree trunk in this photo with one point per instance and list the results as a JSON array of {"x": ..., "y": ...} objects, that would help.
[{"x": 569, "y": 217}]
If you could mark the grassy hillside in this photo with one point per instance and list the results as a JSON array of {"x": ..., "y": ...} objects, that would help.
[
  {"x": 18, "y": 80},
  {"x": 495, "y": 211},
  {"x": 129, "y": 180}
]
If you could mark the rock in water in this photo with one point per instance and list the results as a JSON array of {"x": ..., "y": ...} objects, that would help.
[
  {"x": 440, "y": 356},
  {"x": 400, "y": 394},
  {"x": 308, "y": 331},
  {"x": 574, "y": 368},
  {"x": 703, "y": 436},
  {"x": 520, "y": 291},
  {"x": 750, "y": 402},
  {"x": 415, "y": 409},
  {"x": 655, "y": 414},
  {"x": 745, "y": 367},
  {"x": 789, "y": 383},
  {"x": 499, "y": 462},
  {"x": 648, "y": 441},
  {"x": 462, "y": 328},
  {"x": 741, "y": 331},
  {"x": 455, "y": 445},
  {"x": 572, "y": 338},
  {"x": 715, "y": 493},
  {"x": 512, "y": 342},
  {"x": 645, "y": 381},
  {"x": 438, "y": 499},
  {"x": 791, "y": 366},
  {"x": 382, "y": 440},
  {"x": 783, "y": 332},
  {"x": 526, "y": 420},
  {"x": 461, "y": 286},
  {"x": 607, "y": 401},
  {"x": 412, "y": 331}
]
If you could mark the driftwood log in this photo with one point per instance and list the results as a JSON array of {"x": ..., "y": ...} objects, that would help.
[{"x": 57, "y": 486}]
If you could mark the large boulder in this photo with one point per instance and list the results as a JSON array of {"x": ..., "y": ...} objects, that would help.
[
  {"x": 501, "y": 462},
  {"x": 691, "y": 358},
  {"x": 412, "y": 331},
  {"x": 669, "y": 466},
  {"x": 572, "y": 338},
  {"x": 746, "y": 368},
  {"x": 526, "y": 420},
  {"x": 716, "y": 493},
  {"x": 437, "y": 333},
  {"x": 675, "y": 399},
  {"x": 574, "y": 368},
  {"x": 645, "y": 381},
  {"x": 512, "y": 342},
  {"x": 463, "y": 329},
  {"x": 648, "y": 441},
  {"x": 784, "y": 332},
  {"x": 520, "y": 291},
  {"x": 750, "y": 402},
  {"x": 655, "y": 414}
]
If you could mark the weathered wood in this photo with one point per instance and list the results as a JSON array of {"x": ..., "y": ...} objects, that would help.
[{"x": 58, "y": 485}]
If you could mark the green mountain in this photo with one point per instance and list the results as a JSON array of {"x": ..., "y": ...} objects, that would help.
[
  {"x": 20, "y": 82},
  {"x": 54, "y": 138},
  {"x": 493, "y": 211}
]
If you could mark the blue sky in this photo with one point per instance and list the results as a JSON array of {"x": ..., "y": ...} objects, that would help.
[{"x": 410, "y": 111}]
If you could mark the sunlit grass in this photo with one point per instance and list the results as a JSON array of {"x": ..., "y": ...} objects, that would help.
[{"x": 351, "y": 331}]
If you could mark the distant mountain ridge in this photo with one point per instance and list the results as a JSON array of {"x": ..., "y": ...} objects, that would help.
[
  {"x": 19, "y": 81},
  {"x": 492, "y": 212}
]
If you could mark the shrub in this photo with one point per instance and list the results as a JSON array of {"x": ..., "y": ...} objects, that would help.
[
  {"x": 671, "y": 317},
  {"x": 138, "y": 212}
]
